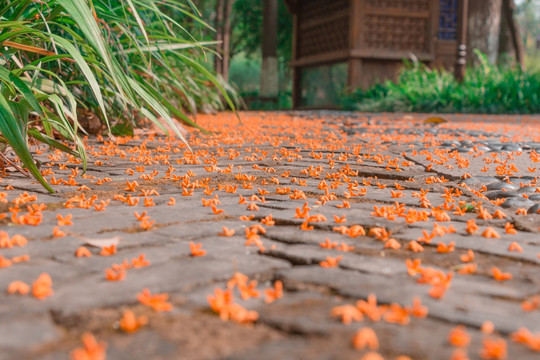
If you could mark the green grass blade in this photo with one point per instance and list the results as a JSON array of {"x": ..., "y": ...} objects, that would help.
[
  {"x": 22, "y": 88},
  {"x": 12, "y": 133},
  {"x": 211, "y": 78},
  {"x": 85, "y": 69},
  {"x": 156, "y": 106}
]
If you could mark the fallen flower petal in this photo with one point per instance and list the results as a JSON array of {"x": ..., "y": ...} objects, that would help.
[
  {"x": 158, "y": 302},
  {"x": 18, "y": 287},
  {"x": 108, "y": 250},
  {"x": 91, "y": 350},
  {"x": 458, "y": 336},
  {"x": 514, "y": 246},
  {"x": 365, "y": 337},
  {"x": 196, "y": 250},
  {"x": 491, "y": 233},
  {"x": 348, "y": 313},
  {"x": 415, "y": 246},
  {"x": 331, "y": 262},
  {"x": 499, "y": 275},
  {"x": 82, "y": 252},
  {"x": 41, "y": 288},
  {"x": 493, "y": 349},
  {"x": 129, "y": 323},
  {"x": 275, "y": 293}
]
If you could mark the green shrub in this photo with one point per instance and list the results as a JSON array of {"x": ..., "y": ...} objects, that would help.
[{"x": 485, "y": 89}]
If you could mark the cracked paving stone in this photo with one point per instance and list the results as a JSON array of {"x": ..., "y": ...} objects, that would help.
[{"x": 324, "y": 155}]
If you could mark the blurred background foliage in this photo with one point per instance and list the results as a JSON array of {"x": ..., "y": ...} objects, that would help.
[{"x": 500, "y": 82}]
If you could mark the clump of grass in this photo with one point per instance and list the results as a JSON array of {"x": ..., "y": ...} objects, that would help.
[
  {"x": 486, "y": 89},
  {"x": 125, "y": 60}
]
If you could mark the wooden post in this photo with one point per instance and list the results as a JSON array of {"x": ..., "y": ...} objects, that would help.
[
  {"x": 354, "y": 71},
  {"x": 461, "y": 53},
  {"x": 296, "y": 89},
  {"x": 296, "y": 71}
]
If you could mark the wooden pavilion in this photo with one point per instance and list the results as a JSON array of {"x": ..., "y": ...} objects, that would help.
[{"x": 357, "y": 43}]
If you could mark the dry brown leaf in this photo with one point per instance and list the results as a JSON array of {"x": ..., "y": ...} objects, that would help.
[{"x": 101, "y": 243}]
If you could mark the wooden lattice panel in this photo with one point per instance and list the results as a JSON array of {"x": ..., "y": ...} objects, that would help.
[
  {"x": 323, "y": 27},
  {"x": 397, "y": 25},
  {"x": 396, "y": 33},
  {"x": 314, "y": 9},
  {"x": 409, "y": 5}
]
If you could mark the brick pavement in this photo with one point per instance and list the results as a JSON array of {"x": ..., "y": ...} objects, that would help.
[{"x": 333, "y": 206}]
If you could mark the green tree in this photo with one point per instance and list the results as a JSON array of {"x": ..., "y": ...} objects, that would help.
[{"x": 247, "y": 30}]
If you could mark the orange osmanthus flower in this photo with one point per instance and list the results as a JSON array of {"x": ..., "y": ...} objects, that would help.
[
  {"x": 493, "y": 348},
  {"x": 5, "y": 262},
  {"x": 499, "y": 275},
  {"x": 18, "y": 287},
  {"x": 226, "y": 232},
  {"x": 509, "y": 228},
  {"x": 115, "y": 274},
  {"x": 392, "y": 244},
  {"x": 468, "y": 257},
  {"x": 91, "y": 350},
  {"x": 415, "y": 246},
  {"x": 467, "y": 269},
  {"x": 20, "y": 258},
  {"x": 532, "y": 304},
  {"x": 196, "y": 250},
  {"x": 369, "y": 307},
  {"x": 82, "y": 252},
  {"x": 130, "y": 323},
  {"x": 222, "y": 303},
  {"x": 514, "y": 246},
  {"x": 348, "y": 313},
  {"x": 365, "y": 337},
  {"x": 491, "y": 233},
  {"x": 458, "y": 336},
  {"x": 471, "y": 226},
  {"x": 57, "y": 232},
  {"x": 108, "y": 250},
  {"x": 41, "y": 288},
  {"x": 274, "y": 293},
  {"x": 443, "y": 248},
  {"x": 331, "y": 261},
  {"x": 417, "y": 309},
  {"x": 158, "y": 302},
  {"x": 487, "y": 327},
  {"x": 327, "y": 244},
  {"x": 140, "y": 261},
  {"x": 64, "y": 221}
]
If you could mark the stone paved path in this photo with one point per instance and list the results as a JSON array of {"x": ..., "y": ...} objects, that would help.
[{"x": 424, "y": 236}]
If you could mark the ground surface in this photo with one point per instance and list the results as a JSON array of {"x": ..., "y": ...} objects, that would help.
[{"x": 387, "y": 221}]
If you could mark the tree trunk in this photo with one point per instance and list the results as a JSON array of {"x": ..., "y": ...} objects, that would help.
[
  {"x": 483, "y": 28},
  {"x": 508, "y": 8},
  {"x": 269, "y": 69},
  {"x": 227, "y": 38},
  {"x": 223, "y": 30},
  {"x": 506, "y": 48},
  {"x": 218, "y": 59}
]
